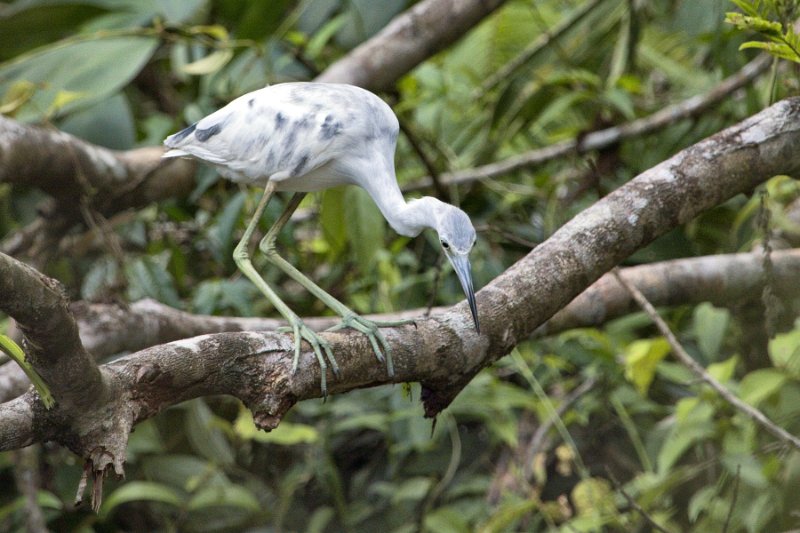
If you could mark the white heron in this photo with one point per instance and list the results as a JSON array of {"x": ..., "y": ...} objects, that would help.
[{"x": 304, "y": 137}]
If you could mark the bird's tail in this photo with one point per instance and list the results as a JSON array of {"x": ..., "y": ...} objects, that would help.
[{"x": 175, "y": 153}]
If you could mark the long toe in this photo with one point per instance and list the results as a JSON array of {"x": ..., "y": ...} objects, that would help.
[
  {"x": 372, "y": 330},
  {"x": 322, "y": 351}
]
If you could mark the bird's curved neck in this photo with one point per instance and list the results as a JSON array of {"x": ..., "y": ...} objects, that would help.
[{"x": 406, "y": 218}]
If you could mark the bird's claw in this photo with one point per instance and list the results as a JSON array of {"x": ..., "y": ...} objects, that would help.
[
  {"x": 372, "y": 330},
  {"x": 319, "y": 345}
]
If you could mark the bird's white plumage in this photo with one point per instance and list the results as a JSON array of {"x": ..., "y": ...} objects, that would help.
[{"x": 306, "y": 136}]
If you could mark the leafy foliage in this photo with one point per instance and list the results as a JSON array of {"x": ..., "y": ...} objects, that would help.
[
  {"x": 782, "y": 40},
  {"x": 558, "y": 436}
]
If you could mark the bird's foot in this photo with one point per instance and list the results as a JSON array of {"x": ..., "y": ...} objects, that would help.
[
  {"x": 321, "y": 347},
  {"x": 372, "y": 330}
]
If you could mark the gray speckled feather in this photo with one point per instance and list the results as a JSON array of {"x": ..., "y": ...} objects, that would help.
[{"x": 292, "y": 130}]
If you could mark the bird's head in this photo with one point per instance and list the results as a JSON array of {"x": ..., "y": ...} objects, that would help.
[{"x": 457, "y": 237}]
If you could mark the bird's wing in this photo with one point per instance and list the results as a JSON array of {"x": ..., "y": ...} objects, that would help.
[{"x": 262, "y": 134}]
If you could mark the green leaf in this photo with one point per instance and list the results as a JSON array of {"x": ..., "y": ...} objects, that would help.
[
  {"x": 593, "y": 496},
  {"x": 700, "y": 502},
  {"x": 12, "y": 349},
  {"x": 748, "y": 467},
  {"x": 140, "y": 491},
  {"x": 779, "y": 50},
  {"x": 413, "y": 489},
  {"x": 62, "y": 99},
  {"x": 365, "y": 226},
  {"x": 108, "y": 123},
  {"x": 321, "y": 37},
  {"x": 506, "y": 515},
  {"x": 332, "y": 219},
  {"x": 181, "y": 470},
  {"x": 16, "y": 95},
  {"x": 723, "y": 371},
  {"x": 757, "y": 24},
  {"x": 759, "y": 512},
  {"x": 692, "y": 425},
  {"x": 215, "y": 31},
  {"x": 641, "y": 359},
  {"x": 375, "y": 421},
  {"x": 210, "y": 63},
  {"x": 320, "y": 520},
  {"x": 447, "y": 520},
  {"x": 286, "y": 434},
  {"x": 746, "y": 6},
  {"x": 784, "y": 351},
  {"x": 27, "y": 25},
  {"x": 710, "y": 325},
  {"x": 760, "y": 384},
  {"x": 145, "y": 440},
  {"x": 64, "y": 84},
  {"x": 229, "y": 495}
]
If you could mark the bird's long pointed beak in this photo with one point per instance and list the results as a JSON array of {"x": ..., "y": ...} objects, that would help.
[{"x": 464, "y": 272}]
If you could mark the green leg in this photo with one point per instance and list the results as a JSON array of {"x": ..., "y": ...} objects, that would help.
[
  {"x": 242, "y": 259},
  {"x": 349, "y": 317}
]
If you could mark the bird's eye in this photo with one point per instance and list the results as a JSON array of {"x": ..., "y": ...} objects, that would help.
[{"x": 445, "y": 244}]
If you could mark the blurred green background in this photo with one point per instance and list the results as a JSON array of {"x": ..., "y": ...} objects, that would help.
[{"x": 126, "y": 73}]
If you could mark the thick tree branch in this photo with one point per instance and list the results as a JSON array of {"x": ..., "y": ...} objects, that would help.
[
  {"x": 719, "y": 279},
  {"x": 51, "y": 340},
  {"x": 68, "y": 168},
  {"x": 108, "y": 329},
  {"x": 427, "y": 28}
]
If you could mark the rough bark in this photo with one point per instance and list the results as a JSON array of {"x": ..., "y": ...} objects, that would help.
[
  {"x": 425, "y": 29},
  {"x": 50, "y": 334}
]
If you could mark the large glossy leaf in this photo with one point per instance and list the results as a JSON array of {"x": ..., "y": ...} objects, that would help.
[
  {"x": 26, "y": 25},
  {"x": 760, "y": 384},
  {"x": 332, "y": 219},
  {"x": 140, "y": 491},
  {"x": 181, "y": 471},
  {"x": 365, "y": 226},
  {"x": 225, "y": 495},
  {"x": 86, "y": 70},
  {"x": 108, "y": 123},
  {"x": 710, "y": 325},
  {"x": 135, "y": 13}
]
